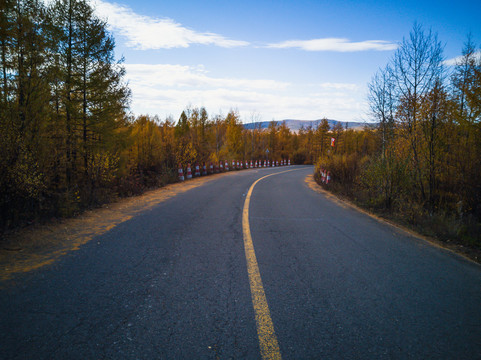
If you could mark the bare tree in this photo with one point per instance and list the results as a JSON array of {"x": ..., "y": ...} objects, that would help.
[
  {"x": 418, "y": 68},
  {"x": 382, "y": 103}
]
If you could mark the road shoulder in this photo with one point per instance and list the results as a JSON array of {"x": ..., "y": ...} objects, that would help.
[
  {"x": 458, "y": 250},
  {"x": 34, "y": 247}
]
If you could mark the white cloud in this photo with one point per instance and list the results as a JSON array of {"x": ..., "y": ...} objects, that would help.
[
  {"x": 458, "y": 59},
  {"x": 146, "y": 33},
  {"x": 340, "y": 86},
  {"x": 335, "y": 44},
  {"x": 180, "y": 76},
  {"x": 166, "y": 89}
]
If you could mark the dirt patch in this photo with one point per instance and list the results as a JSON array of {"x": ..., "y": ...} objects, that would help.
[
  {"x": 467, "y": 253},
  {"x": 34, "y": 247}
]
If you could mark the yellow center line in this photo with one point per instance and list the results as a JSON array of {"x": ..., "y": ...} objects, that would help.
[{"x": 265, "y": 328}]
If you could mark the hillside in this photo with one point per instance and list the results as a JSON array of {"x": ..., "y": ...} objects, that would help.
[{"x": 296, "y": 125}]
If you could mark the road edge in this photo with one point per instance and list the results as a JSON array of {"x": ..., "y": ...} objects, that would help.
[
  {"x": 38, "y": 246},
  {"x": 313, "y": 185}
]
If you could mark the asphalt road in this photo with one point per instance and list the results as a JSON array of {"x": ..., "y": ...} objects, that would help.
[{"x": 172, "y": 283}]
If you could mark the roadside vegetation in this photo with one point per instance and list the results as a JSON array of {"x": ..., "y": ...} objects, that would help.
[{"x": 422, "y": 164}]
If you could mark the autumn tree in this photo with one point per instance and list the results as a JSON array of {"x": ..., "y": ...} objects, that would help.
[
  {"x": 322, "y": 138},
  {"x": 185, "y": 150},
  {"x": 465, "y": 140},
  {"x": 284, "y": 144},
  {"x": 23, "y": 110},
  {"x": 234, "y": 146}
]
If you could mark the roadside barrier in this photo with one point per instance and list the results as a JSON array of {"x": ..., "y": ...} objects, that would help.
[
  {"x": 181, "y": 173},
  {"x": 223, "y": 165},
  {"x": 325, "y": 176}
]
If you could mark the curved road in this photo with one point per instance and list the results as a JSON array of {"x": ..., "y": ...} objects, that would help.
[{"x": 172, "y": 283}]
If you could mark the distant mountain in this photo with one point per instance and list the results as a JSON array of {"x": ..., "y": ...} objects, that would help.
[{"x": 296, "y": 125}]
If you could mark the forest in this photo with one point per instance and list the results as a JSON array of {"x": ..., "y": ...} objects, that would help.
[{"x": 69, "y": 141}]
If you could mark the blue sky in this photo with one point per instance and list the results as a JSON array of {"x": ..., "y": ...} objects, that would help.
[{"x": 270, "y": 59}]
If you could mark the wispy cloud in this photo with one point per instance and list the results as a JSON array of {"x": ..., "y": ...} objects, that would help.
[
  {"x": 338, "y": 86},
  {"x": 335, "y": 44},
  {"x": 166, "y": 89},
  {"x": 144, "y": 32},
  {"x": 458, "y": 59},
  {"x": 181, "y": 76},
  {"x": 150, "y": 33}
]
